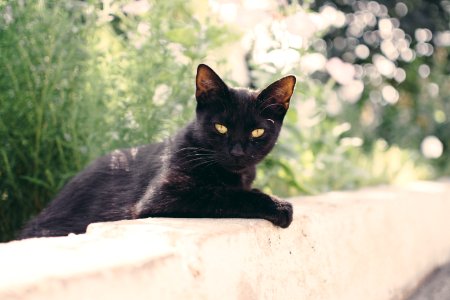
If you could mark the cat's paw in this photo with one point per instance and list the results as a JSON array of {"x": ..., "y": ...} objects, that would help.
[{"x": 284, "y": 212}]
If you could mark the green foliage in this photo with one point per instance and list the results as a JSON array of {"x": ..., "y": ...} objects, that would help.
[
  {"x": 404, "y": 67},
  {"x": 325, "y": 144},
  {"x": 42, "y": 124},
  {"x": 82, "y": 78}
]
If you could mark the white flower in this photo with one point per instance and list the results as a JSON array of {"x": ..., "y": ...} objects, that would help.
[
  {"x": 333, "y": 16},
  {"x": 423, "y": 35},
  {"x": 424, "y": 70},
  {"x": 307, "y": 113},
  {"x": 340, "y": 71},
  {"x": 352, "y": 142},
  {"x": 131, "y": 121},
  {"x": 390, "y": 94},
  {"x": 386, "y": 28},
  {"x": 384, "y": 66},
  {"x": 8, "y": 15},
  {"x": 389, "y": 49},
  {"x": 286, "y": 35},
  {"x": 442, "y": 39},
  {"x": 283, "y": 58},
  {"x": 177, "y": 52},
  {"x": 312, "y": 62},
  {"x": 162, "y": 93},
  {"x": 137, "y": 7},
  {"x": 143, "y": 28},
  {"x": 333, "y": 105},
  {"x": 431, "y": 147},
  {"x": 362, "y": 51},
  {"x": 301, "y": 24},
  {"x": 407, "y": 54},
  {"x": 352, "y": 91},
  {"x": 227, "y": 12},
  {"x": 433, "y": 89},
  {"x": 341, "y": 128},
  {"x": 400, "y": 75}
]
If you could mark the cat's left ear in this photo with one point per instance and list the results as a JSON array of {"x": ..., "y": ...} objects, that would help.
[
  {"x": 208, "y": 82},
  {"x": 278, "y": 94}
]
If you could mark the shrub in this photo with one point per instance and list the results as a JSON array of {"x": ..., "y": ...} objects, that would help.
[{"x": 82, "y": 78}]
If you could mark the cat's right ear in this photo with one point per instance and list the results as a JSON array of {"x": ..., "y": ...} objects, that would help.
[
  {"x": 208, "y": 83},
  {"x": 276, "y": 96}
]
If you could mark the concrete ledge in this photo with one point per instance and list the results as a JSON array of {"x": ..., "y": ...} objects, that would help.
[{"x": 376, "y": 243}]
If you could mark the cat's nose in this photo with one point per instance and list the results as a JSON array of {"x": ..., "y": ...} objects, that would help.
[{"x": 237, "y": 150}]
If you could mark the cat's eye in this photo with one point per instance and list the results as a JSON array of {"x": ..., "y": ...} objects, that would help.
[
  {"x": 257, "y": 132},
  {"x": 220, "y": 128}
]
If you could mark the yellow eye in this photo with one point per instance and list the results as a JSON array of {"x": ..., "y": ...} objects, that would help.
[
  {"x": 257, "y": 133},
  {"x": 220, "y": 128}
]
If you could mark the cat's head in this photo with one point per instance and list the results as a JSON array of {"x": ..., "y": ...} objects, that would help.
[{"x": 239, "y": 126}]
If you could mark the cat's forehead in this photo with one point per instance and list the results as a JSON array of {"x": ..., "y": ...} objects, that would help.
[
  {"x": 242, "y": 100},
  {"x": 243, "y": 94},
  {"x": 240, "y": 106}
]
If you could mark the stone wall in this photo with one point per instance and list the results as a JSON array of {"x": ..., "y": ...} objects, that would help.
[{"x": 376, "y": 243}]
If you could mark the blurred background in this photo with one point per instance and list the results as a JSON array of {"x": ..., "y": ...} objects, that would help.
[{"x": 80, "y": 78}]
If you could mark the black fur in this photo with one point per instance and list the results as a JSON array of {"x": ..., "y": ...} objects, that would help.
[{"x": 197, "y": 173}]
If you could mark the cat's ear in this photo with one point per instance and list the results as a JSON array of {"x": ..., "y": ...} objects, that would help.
[
  {"x": 208, "y": 82},
  {"x": 277, "y": 95}
]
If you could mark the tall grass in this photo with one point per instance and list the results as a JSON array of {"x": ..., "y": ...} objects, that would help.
[
  {"x": 81, "y": 78},
  {"x": 43, "y": 127}
]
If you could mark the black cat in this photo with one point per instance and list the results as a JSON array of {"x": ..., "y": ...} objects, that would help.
[{"x": 204, "y": 171}]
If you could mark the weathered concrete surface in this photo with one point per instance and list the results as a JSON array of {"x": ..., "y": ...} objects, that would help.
[
  {"x": 377, "y": 243},
  {"x": 436, "y": 286}
]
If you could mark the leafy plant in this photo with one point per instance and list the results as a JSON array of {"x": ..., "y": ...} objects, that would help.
[{"x": 82, "y": 78}]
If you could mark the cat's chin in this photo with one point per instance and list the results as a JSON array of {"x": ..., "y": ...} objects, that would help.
[{"x": 237, "y": 169}]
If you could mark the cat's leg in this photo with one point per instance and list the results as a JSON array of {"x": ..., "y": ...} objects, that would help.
[
  {"x": 50, "y": 228},
  {"x": 204, "y": 202},
  {"x": 34, "y": 233}
]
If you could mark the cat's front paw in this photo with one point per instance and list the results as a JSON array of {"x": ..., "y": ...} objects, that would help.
[
  {"x": 282, "y": 216},
  {"x": 285, "y": 212}
]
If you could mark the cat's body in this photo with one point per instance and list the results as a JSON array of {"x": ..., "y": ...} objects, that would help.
[{"x": 205, "y": 170}]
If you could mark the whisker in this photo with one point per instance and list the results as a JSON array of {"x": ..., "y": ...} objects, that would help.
[
  {"x": 194, "y": 149},
  {"x": 201, "y": 159},
  {"x": 273, "y": 104},
  {"x": 204, "y": 163}
]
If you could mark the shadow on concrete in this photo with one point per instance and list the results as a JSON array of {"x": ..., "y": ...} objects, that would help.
[{"x": 436, "y": 286}]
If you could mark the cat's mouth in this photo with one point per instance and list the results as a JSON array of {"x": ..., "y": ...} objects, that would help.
[
  {"x": 238, "y": 169},
  {"x": 235, "y": 168},
  {"x": 237, "y": 165}
]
